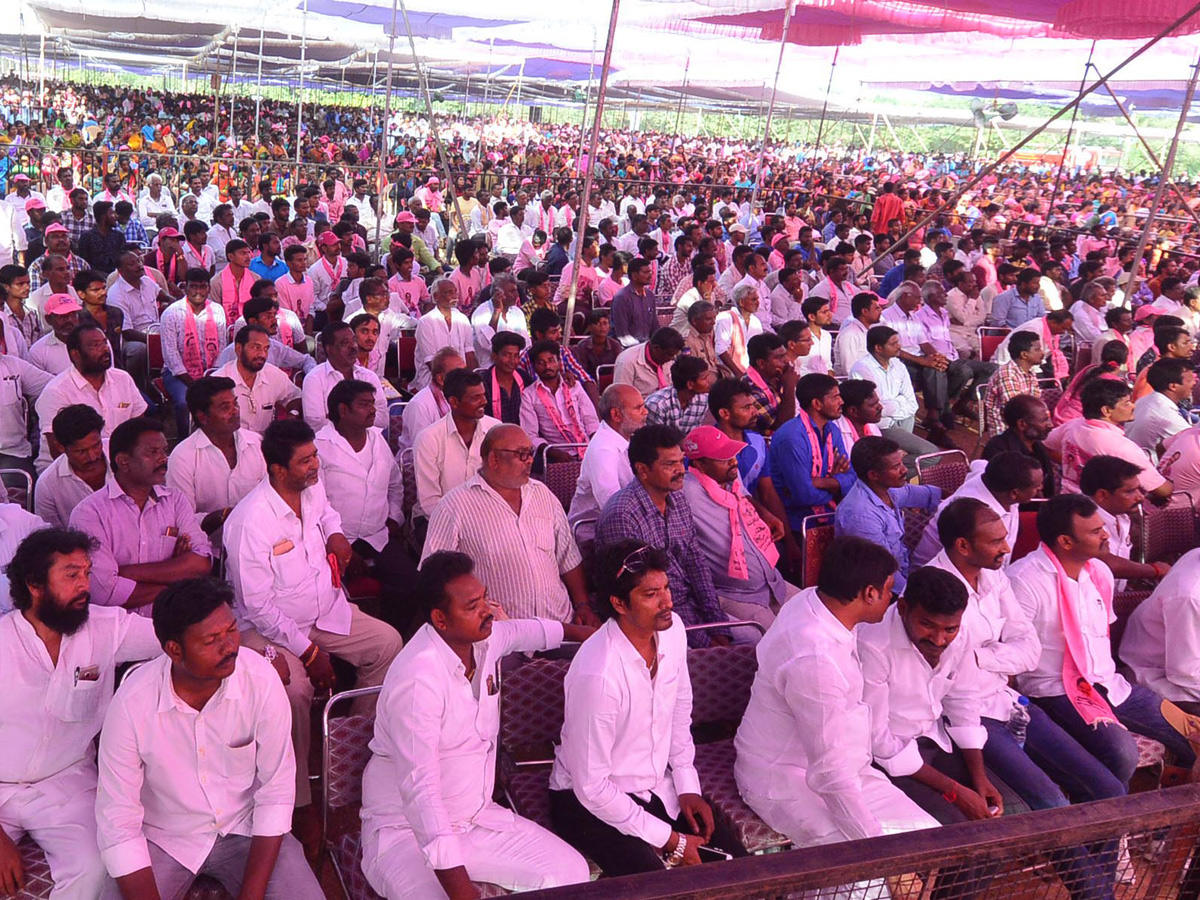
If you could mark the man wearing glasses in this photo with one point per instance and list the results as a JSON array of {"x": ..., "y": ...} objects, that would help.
[{"x": 517, "y": 533}]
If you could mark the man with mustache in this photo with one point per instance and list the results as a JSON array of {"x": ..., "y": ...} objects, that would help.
[
  {"x": 195, "y": 768},
  {"x": 79, "y": 471},
  {"x": 430, "y": 824},
  {"x": 58, "y": 658},
  {"x": 148, "y": 536}
]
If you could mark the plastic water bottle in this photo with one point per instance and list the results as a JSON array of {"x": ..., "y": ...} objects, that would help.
[{"x": 1018, "y": 720}]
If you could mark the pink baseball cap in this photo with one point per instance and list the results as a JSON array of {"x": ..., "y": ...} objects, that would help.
[
  {"x": 34, "y": 203},
  {"x": 406, "y": 217},
  {"x": 56, "y": 228},
  {"x": 61, "y": 305},
  {"x": 168, "y": 232},
  {"x": 20, "y": 176},
  {"x": 709, "y": 442},
  {"x": 327, "y": 239},
  {"x": 1144, "y": 312}
]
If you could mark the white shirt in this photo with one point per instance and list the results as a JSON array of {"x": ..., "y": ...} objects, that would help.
[
  {"x": 509, "y": 239},
  {"x": 422, "y": 410},
  {"x": 1155, "y": 418},
  {"x": 909, "y": 698},
  {"x": 118, "y": 400},
  {"x": 433, "y": 334},
  {"x": 148, "y": 209},
  {"x": 314, "y": 394},
  {"x": 784, "y": 306},
  {"x": 627, "y": 733},
  {"x": 512, "y": 320},
  {"x": 50, "y": 717},
  {"x": 355, "y": 483},
  {"x": 199, "y": 470},
  {"x": 174, "y": 332},
  {"x": 181, "y": 777},
  {"x": 257, "y": 404},
  {"x": 806, "y": 733},
  {"x": 1000, "y": 635},
  {"x": 1035, "y": 587},
  {"x": 604, "y": 471},
  {"x": 59, "y": 490},
  {"x": 323, "y": 283},
  {"x": 723, "y": 332},
  {"x": 15, "y": 525},
  {"x": 1089, "y": 321},
  {"x": 443, "y": 460},
  {"x": 218, "y": 237},
  {"x": 279, "y": 568},
  {"x": 433, "y": 756},
  {"x": 50, "y": 355},
  {"x": 20, "y": 386},
  {"x": 820, "y": 357},
  {"x": 1162, "y": 640},
  {"x": 850, "y": 346},
  {"x": 139, "y": 303},
  {"x": 893, "y": 386},
  {"x": 930, "y": 546}
]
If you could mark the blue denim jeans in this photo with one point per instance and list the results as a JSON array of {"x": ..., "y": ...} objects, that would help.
[
  {"x": 177, "y": 391},
  {"x": 1115, "y": 747}
]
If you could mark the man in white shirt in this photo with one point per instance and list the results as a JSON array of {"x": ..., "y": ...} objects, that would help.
[
  {"x": 804, "y": 755},
  {"x": 58, "y": 657},
  {"x": 79, "y": 471},
  {"x": 341, "y": 361},
  {"x": 1113, "y": 485},
  {"x": 91, "y": 380},
  {"x": 851, "y": 343},
  {"x": 261, "y": 389},
  {"x": 1162, "y": 640},
  {"x": 139, "y": 297},
  {"x": 49, "y": 352},
  {"x": 1076, "y": 680},
  {"x": 430, "y": 825},
  {"x": 196, "y": 769},
  {"x": 442, "y": 326},
  {"x": 605, "y": 468},
  {"x": 282, "y": 543},
  {"x": 1158, "y": 416},
  {"x": 222, "y": 231},
  {"x": 220, "y": 462},
  {"x": 1008, "y": 480},
  {"x": 363, "y": 483},
  {"x": 882, "y": 366},
  {"x": 154, "y": 202},
  {"x": 502, "y": 312},
  {"x": 819, "y": 317},
  {"x": 429, "y": 404},
  {"x": 21, "y": 386},
  {"x": 448, "y": 452},
  {"x": 624, "y": 788},
  {"x": 554, "y": 411},
  {"x": 1088, "y": 311},
  {"x": 647, "y": 366}
]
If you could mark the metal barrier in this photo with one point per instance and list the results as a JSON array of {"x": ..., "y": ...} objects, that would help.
[{"x": 1018, "y": 856}]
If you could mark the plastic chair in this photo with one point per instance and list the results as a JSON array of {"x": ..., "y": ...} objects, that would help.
[
  {"x": 1164, "y": 533},
  {"x": 816, "y": 534},
  {"x": 947, "y": 470},
  {"x": 406, "y": 357},
  {"x": 605, "y": 375},
  {"x": 990, "y": 339}
]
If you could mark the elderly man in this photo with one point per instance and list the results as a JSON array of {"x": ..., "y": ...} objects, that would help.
[
  {"x": 1089, "y": 312},
  {"x": 516, "y": 531},
  {"x": 736, "y": 327},
  {"x": 429, "y": 404},
  {"x": 605, "y": 469},
  {"x": 442, "y": 326},
  {"x": 500, "y": 313}
]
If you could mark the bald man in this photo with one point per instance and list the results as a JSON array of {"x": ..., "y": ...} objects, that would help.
[{"x": 605, "y": 468}]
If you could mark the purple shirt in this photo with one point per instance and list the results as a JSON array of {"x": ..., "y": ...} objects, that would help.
[
  {"x": 128, "y": 536},
  {"x": 937, "y": 330}
]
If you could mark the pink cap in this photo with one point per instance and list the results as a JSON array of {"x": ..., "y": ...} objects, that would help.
[
  {"x": 34, "y": 203},
  {"x": 1144, "y": 312},
  {"x": 20, "y": 176},
  {"x": 433, "y": 179},
  {"x": 56, "y": 228},
  {"x": 61, "y": 305},
  {"x": 709, "y": 442},
  {"x": 168, "y": 232},
  {"x": 406, "y": 217},
  {"x": 327, "y": 239}
]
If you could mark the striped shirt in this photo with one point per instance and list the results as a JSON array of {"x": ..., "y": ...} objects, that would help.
[{"x": 520, "y": 557}]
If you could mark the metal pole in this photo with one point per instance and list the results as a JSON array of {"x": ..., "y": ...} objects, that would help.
[
  {"x": 762, "y": 151},
  {"x": 262, "y": 29},
  {"x": 300, "y": 95},
  {"x": 679, "y": 112},
  {"x": 1070, "y": 130},
  {"x": 42, "y": 70},
  {"x": 1161, "y": 189},
  {"x": 587, "y": 95},
  {"x": 825, "y": 105},
  {"x": 233, "y": 87},
  {"x": 387, "y": 115},
  {"x": 581, "y": 219},
  {"x": 433, "y": 128},
  {"x": 520, "y": 80}
]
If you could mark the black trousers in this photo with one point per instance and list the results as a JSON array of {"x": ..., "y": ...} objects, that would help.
[
  {"x": 396, "y": 570},
  {"x": 616, "y": 853}
]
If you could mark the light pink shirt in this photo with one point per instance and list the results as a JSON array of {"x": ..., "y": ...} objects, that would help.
[
  {"x": 1078, "y": 440},
  {"x": 296, "y": 297}
]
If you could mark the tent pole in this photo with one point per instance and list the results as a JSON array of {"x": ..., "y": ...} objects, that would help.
[
  {"x": 587, "y": 96},
  {"x": 679, "y": 112},
  {"x": 1070, "y": 130},
  {"x": 387, "y": 116},
  {"x": 871, "y": 139},
  {"x": 1161, "y": 189},
  {"x": 300, "y": 95},
  {"x": 423, "y": 85},
  {"x": 258, "y": 95},
  {"x": 762, "y": 150},
  {"x": 581, "y": 219},
  {"x": 970, "y": 183},
  {"x": 825, "y": 105},
  {"x": 42, "y": 70},
  {"x": 233, "y": 87}
]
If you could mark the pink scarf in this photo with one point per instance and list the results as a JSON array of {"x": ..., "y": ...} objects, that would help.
[
  {"x": 758, "y": 381},
  {"x": 833, "y": 295},
  {"x": 199, "y": 355},
  {"x": 573, "y": 428},
  {"x": 496, "y": 392},
  {"x": 168, "y": 271},
  {"x": 1092, "y": 708},
  {"x": 234, "y": 296},
  {"x": 742, "y": 514},
  {"x": 658, "y": 370},
  {"x": 818, "y": 458},
  {"x": 335, "y": 273},
  {"x": 1057, "y": 360}
]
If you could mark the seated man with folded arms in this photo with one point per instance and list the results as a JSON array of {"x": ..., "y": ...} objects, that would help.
[
  {"x": 1067, "y": 593},
  {"x": 447, "y": 453},
  {"x": 286, "y": 550},
  {"x": 624, "y": 789},
  {"x": 874, "y": 507},
  {"x": 58, "y": 660},
  {"x": 78, "y": 472},
  {"x": 605, "y": 468},
  {"x": 220, "y": 462},
  {"x": 430, "y": 825},
  {"x": 147, "y": 535},
  {"x": 804, "y": 755},
  {"x": 428, "y": 405},
  {"x": 1026, "y": 423},
  {"x": 196, "y": 770},
  {"x": 263, "y": 390},
  {"x": 1115, "y": 487}
]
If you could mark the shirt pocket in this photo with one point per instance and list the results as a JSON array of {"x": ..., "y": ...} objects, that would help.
[
  {"x": 542, "y": 533},
  {"x": 83, "y": 702},
  {"x": 290, "y": 569},
  {"x": 239, "y": 764}
]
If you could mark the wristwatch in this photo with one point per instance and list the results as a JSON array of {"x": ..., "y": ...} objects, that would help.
[
  {"x": 675, "y": 857},
  {"x": 270, "y": 653}
]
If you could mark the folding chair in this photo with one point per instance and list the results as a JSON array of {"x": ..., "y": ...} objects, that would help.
[
  {"x": 1164, "y": 533},
  {"x": 947, "y": 470},
  {"x": 990, "y": 339},
  {"x": 395, "y": 423},
  {"x": 561, "y": 477},
  {"x": 816, "y": 534},
  {"x": 406, "y": 357},
  {"x": 18, "y": 487},
  {"x": 587, "y": 546},
  {"x": 605, "y": 375},
  {"x": 1027, "y": 535}
]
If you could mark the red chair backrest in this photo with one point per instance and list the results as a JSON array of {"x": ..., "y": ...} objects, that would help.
[
  {"x": 1027, "y": 535},
  {"x": 989, "y": 344}
]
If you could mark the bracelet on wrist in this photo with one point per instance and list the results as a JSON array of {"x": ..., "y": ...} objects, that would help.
[{"x": 951, "y": 796}]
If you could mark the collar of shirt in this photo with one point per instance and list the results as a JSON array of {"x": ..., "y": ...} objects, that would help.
[{"x": 114, "y": 491}]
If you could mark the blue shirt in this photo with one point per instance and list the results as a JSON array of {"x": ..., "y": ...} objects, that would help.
[
  {"x": 862, "y": 514},
  {"x": 276, "y": 271},
  {"x": 790, "y": 465},
  {"x": 1011, "y": 310},
  {"x": 891, "y": 280},
  {"x": 751, "y": 460}
]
